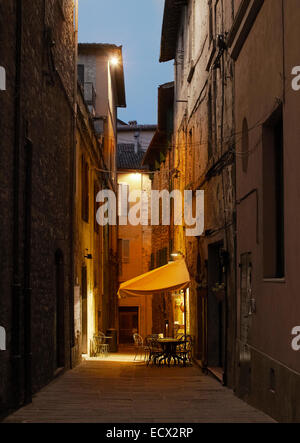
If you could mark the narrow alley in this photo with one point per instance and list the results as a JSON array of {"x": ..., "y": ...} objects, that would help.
[
  {"x": 118, "y": 391},
  {"x": 149, "y": 211}
]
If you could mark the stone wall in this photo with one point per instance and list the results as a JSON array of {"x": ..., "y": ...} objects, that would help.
[
  {"x": 46, "y": 123},
  {"x": 201, "y": 157}
]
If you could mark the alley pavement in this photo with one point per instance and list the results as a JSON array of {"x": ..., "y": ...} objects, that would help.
[{"x": 118, "y": 390}]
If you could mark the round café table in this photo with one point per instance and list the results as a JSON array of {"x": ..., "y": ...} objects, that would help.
[{"x": 169, "y": 350}]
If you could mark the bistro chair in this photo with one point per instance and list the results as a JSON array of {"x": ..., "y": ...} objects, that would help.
[
  {"x": 139, "y": 345},
  {"x": 100, "y": 347},
  {"x": 155, "y": 351},
  {"x": 147, "y": 347},
  {"x": 185, "y": 350}
]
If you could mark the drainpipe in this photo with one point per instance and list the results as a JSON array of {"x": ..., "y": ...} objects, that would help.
[
  {"x": 16, "y": 284},
  {"x": 27, "y": 273}
]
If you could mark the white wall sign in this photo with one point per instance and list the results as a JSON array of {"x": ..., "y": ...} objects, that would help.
[
  {"x": 2, "y": 339},
  {"x": 2, "y": 79}
]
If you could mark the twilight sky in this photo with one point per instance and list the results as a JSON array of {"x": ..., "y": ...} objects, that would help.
[{"x": 135, "y": 24}]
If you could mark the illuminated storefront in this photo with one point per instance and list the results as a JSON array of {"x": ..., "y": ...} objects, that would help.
[{"x": 179, "y": 313}]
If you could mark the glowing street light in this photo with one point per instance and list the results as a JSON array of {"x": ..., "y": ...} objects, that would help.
[{"x": 114, "y": 61}]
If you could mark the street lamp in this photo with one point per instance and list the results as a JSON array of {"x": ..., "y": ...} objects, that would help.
[{"x": 114, "y": 61}]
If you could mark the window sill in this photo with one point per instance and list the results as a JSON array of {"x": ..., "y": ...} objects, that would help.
[{"x": 274, "y": 280}]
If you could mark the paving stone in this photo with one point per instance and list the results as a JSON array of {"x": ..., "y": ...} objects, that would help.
[{"x": 116, "y": 392}]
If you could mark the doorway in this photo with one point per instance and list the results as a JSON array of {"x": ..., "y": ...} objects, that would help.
[
  {"x": 244, "y": 371},
  {"x": 128, "y": 324},
  {"x": 216, "y": 309}
]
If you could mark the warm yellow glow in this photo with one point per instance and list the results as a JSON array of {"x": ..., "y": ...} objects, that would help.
[
  {"x": 136, "y": 176},
  {"x": 114, "y": 61}
]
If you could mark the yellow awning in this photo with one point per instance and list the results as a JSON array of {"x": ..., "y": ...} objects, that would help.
[{"x": 172, "y": 277}]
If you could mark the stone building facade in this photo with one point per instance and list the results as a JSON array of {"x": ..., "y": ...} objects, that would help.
[
  {"x": 133, "y": 132},
  {"x": 37, "y": 146},
  {"x": 103, "y": 88},
  {"x": 199, "y": 155},
  {"x": 263, "y": 46},
  {"x": 88, "y": 241},
  {"x": 234, "y": 135},
  {"x": 159, "y": 158},
  {"x": 135, "y": 313}
]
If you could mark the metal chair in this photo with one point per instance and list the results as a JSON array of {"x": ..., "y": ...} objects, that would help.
[
  {"x": 100, "y": 347},
  {"x": 155, "y": 351},
  {"x": 185, "y": 350},
  {"x": 147, "y": 347},
  {"x": 139, "y": 345}
]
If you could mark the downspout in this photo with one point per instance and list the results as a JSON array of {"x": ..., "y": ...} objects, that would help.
[
  {"x": 16, "y": 283},
  {"x": 27, "y": 274}
]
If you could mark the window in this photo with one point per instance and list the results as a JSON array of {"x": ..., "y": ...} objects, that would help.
[
  {"x": 124, "y": 250},
  {"x": 161, "y": 257},
  {"x": 152, "y": 264},
  {"x": 157, "y": 259},
  {"x": 164, "y": 256},
  {"x": 85, "y": 190},
  {"x": 273, "y": 197},
  {"x": 80, "y": 73}
]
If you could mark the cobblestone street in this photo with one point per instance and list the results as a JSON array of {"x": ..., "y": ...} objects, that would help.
[{"x": 117, "y": 389}]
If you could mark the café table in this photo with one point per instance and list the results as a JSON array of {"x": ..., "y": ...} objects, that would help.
[{"x": 169, "y": 350}]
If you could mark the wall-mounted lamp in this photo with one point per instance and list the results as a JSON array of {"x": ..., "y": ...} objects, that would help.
[
  {"x": 114, "y": 61},
  {"x": 176, "y": 254},
  {"x": 88, "y": 256}
]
